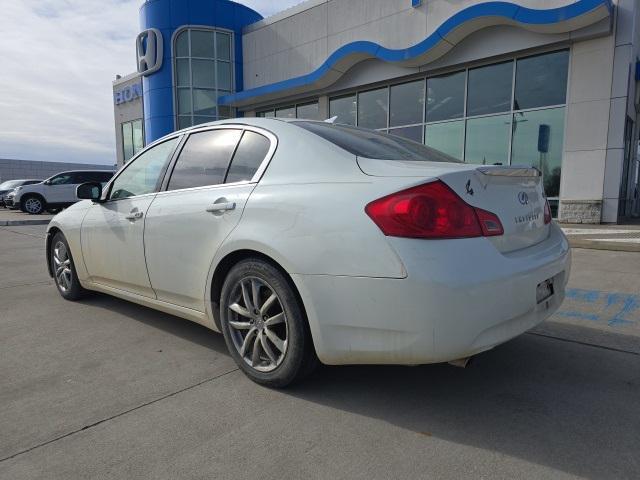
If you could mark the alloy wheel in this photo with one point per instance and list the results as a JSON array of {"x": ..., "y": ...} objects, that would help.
[
  {"x": 33, "y": 205},
  {"x": 258, "y": 324},
  {"x": 62, "y": 266}
]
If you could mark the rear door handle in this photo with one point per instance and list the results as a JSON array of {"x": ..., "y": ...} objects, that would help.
[
  {"x": 134, "y": 216},
  {"x": 221, "y": 207}
]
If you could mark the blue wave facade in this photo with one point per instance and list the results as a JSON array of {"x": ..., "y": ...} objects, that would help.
[
  {"x": 169, "y": 16},
  {"x": 499, "y": 12}
]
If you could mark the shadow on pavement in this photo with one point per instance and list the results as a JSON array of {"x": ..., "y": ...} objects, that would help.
[
  {"x": 564, "y": 405},
  {"x": 185, "y": 329},
  {"x": 570, "y": 407}
]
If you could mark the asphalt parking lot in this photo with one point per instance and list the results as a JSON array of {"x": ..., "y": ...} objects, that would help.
[{"x": 108, "y": 389}]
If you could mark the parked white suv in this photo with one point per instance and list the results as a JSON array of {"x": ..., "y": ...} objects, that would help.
[{"x": 56, "y": 192}]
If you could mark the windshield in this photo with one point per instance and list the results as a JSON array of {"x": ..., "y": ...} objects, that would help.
[
  {"x": 367, "y": 143},
  {"x": 10, "y": 184}
]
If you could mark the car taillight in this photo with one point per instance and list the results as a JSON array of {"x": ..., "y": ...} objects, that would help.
[
  {"x": 431, "y": 210},
  {"x": 547, "y": 212}
]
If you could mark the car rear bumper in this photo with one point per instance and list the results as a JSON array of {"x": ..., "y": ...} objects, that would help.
[{"x": 460, "y": 298}]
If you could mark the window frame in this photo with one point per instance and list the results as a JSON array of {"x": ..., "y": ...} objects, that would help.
[
  {"x": 190, "y": 87},
  {"x": 273, "y": 139}
]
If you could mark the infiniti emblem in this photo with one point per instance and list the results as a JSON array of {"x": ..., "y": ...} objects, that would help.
[
  {"x": 523, "y": 198},
  {"x": 468, "y": 187}
]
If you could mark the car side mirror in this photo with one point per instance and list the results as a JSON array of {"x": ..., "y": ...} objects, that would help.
[
  {"x": 89, "y": 191},
  {"x": 47, "y": 182}
]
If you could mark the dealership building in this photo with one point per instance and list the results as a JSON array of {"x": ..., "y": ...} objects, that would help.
[{"x": 547, "y": 83}]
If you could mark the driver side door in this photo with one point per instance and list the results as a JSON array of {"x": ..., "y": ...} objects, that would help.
[
  {"x": 112, "y": 231},
  {"x": 60, "y": 188}
]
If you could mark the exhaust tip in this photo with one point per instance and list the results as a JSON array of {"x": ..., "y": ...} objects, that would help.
[{"x": 461, "y": 362}]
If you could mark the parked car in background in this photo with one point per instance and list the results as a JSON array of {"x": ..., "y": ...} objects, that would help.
[
  {"x": 56, "y": 192},
  {"x": 9, "y": 185},
  {"x": 300, "y": 238}
]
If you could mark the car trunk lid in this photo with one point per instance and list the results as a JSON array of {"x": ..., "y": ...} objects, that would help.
[{"x": 515, "y": 194}]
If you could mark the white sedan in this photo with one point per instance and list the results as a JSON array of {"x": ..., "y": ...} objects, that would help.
[{"x": 303, "y": 241}]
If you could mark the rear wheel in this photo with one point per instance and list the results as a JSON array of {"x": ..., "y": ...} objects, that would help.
[
  {"x": 264, "y": 325},
  {"x": 33, "y": 204},
  {"x": 64, "y": 270}
]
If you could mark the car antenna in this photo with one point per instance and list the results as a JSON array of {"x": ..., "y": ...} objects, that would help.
[{"x": 332, "y": 119}]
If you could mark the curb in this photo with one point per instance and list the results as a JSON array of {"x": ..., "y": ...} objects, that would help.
[
  {"x": 15, "y": 223},
  {"x": 611, "y": 246}
]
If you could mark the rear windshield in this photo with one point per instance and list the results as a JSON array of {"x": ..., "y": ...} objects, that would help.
[{"x": 372, "y": 144}]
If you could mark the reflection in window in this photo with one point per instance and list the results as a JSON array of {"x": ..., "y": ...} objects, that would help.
[
  {"x": 445, "y": 97},
  {"x": 489, "y": 89},
  {"x": 406, "y": 104},
  {"x": 249, "y": 155},
  {"x": 411, "y": 133},
  {"x": 537, "y": 141},
  {"x": 541, "y": 80},
  {"x": 488, "y": 140},
  {"x": 448, "y": 137},
  {"x": 308, "y": 111},
  {"x": 373, "y": 108},
  {"x": 142, "y": 174},
  {"x": 204, "y": 159},
  {"x": 203, "y": 73},
  {"x": 344, "y": 108},
  {"x": 289, "y": 112}
]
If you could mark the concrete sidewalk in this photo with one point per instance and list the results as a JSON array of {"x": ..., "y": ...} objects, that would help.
[
  {"x": 16, "y": 217},
  {"x": 623, "y": 238}
]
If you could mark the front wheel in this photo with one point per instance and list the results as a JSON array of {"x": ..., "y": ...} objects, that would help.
[
  {"x": 264, "y": 325},
  {"x": 33, "y": 205},
  {"x": 64, "y": 270}
]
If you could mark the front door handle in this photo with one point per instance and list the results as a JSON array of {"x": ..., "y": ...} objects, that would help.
[
  {"x": 134, "y": 216},
  {"x": 221, "y": 207}
]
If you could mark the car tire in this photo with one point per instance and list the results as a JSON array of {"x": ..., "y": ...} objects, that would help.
[
  {"x": 270, "y": 341},
  {"x": 64, "y": 269},
  {"x": 33, "y": 204}
]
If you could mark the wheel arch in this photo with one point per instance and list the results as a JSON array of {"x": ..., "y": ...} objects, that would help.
[
  {"x": 226, "y": 264},
  {"x": 51, "y": 232}
]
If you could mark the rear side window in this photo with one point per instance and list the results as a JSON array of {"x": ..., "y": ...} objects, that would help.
[
  {"x": 371, "y": 144},
  {"x": 204, "y": 159},
  {"x": 251, "y": 152}
]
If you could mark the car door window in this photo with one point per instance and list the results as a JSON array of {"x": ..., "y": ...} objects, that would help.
[
  {"x": 81, "y": 177},
  {"x": 62, "y": 179},
  {"x": 142, "y": 174},
  {"x": 249, "y": 156},
  {"x": 102, "y": 177},
  {"x": 204, "y": 159}
]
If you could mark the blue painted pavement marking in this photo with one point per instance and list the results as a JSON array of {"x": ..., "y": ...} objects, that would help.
[{"x": 613, "y": 308}]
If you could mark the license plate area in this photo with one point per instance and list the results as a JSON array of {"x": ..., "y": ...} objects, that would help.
[{"x": 544, "y": 290}]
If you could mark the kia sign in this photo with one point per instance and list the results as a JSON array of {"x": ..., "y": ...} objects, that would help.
[
  {"x": 149, "y": 51},
  {"x": 127, "y": 94}
]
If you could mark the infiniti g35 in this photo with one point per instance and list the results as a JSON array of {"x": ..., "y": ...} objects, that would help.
[{"x": 303, "y": 241}]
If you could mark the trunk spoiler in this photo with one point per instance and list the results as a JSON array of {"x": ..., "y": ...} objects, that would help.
[{"x": 508, "y": 171}]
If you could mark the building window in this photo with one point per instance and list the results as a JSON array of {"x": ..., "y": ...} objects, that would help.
[
  {"x": 132, "y": 138},
  {"x": 479, "y": 115},
  {"x": 344, "y": 108},
  {"x": 203, "y": 73},
  {"x": 307, "y": 111},
  {"x": 373, "y": 108}
]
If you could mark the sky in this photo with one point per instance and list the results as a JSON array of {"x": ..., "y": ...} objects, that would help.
[{"x": 57, "y": 61}]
